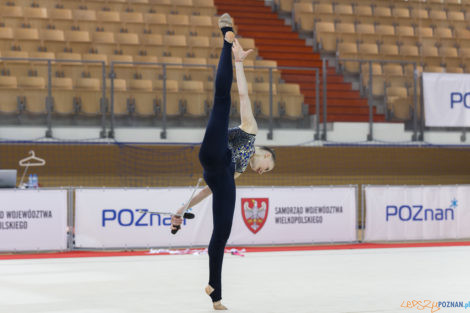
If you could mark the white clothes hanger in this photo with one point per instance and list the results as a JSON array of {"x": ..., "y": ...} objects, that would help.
[{"x": 26, "y": 162}]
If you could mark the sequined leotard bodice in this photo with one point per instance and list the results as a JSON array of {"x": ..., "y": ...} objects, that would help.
[{"x": 242, "y": 145}]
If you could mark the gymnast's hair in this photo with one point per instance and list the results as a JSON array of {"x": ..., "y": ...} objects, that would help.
[{"x": 273, "y": 154}]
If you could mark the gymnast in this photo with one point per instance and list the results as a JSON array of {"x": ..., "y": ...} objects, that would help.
[{"x": 225, "y": 154}]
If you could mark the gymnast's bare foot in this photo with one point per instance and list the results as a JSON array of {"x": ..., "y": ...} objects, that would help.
[
  {"x": 229, "y": 37},
  {"x": 218, "y": 304},
  {"x": 226, "y": 26}
]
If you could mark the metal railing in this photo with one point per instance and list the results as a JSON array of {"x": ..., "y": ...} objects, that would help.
[
  {"x": 321, "y": 106},
  {"x": 49, "y": 100},
  {"x": 112, "y": 75},
  {"x": 164, "y": 77},
  {"x": 418, "y": 126}
]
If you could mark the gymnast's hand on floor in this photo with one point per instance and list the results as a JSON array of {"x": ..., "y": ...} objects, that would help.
[{"x": 238, "y": 52}]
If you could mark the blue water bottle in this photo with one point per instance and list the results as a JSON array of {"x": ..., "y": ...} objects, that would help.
[
  {"x": 30, "y": 181},
  {"x": 35, "y": 181}
]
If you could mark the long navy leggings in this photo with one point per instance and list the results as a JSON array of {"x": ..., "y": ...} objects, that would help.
[{"x": 215, "y": 158}]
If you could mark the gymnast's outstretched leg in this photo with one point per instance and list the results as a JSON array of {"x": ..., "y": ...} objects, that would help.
[
  {"x": 215, "y": 158},
  {"x": 214, "y": 148}
]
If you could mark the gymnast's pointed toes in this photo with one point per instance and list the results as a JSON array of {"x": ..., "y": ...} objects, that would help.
[
  {"x": 225, "y": 21},
  {"x": 219, "y": 306}
]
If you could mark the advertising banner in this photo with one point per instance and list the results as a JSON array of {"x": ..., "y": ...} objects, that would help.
[
  {"x": 417, "y": 212},
  {"x": 446, "y": 99},
  {"x": 294, "y": 215},
  {"x": 33, "y": 219},
  {"x": 110, "y": 217}
]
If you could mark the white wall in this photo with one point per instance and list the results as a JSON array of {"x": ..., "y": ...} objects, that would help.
[{"x": 384, "y": 133}]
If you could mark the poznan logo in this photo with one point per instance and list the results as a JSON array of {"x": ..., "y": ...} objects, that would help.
[
  {"x": 420, "y": 213},
  {"x": 255, "y": 213}
]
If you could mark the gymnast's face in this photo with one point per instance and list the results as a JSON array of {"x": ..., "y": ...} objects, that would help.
[{"x": 262, "y": 162}]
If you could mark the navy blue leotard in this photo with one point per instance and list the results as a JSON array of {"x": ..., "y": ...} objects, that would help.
[{"x": 215, "y": 156}]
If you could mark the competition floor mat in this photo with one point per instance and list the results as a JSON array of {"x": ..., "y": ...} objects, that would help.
[
  {"x": 412, "y": 279},
  {"x": 91, "y": 254}
]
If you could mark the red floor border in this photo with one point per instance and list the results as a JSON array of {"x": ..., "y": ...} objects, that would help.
[{"x": 90, "y": 254}]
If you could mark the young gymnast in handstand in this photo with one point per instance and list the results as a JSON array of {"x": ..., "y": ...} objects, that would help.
[{"x": 225, "y": 154}]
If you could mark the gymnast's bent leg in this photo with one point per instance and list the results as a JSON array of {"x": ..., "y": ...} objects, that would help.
[{"x": 215, "y": 158}]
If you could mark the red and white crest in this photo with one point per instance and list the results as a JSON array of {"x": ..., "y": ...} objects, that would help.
[{"x": 255, "y": 213}]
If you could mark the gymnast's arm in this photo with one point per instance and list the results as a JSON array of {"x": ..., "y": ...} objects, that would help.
[
  {"x": 201, "y": 195},
  {"x": 248, "y": 121},
  {"x": 204, "y": 193}
]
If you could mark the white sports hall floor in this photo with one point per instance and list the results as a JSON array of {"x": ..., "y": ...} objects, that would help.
[{"x": 369, "y": 280}]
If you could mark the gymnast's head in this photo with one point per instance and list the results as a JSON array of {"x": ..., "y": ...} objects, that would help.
[{"x": 263, "y": 160}]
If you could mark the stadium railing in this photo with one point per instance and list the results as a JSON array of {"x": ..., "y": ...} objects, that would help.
[
  {"x": 417, "y": 120},
  {"x": 106, "y": 98},
  {"x": 35, "y": 63},
  {"x": 270, "y": 70}
]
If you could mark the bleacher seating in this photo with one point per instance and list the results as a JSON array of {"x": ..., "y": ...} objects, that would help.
[
  {"x": 433, "y": 34},
  {"x": 173, "y": 32}
]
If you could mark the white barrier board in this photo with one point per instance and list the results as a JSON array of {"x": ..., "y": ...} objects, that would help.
[
  {"x": 109, "y": 217},
  {"x": 446, "y": 99},
  {"x": 33, "y": 220},
  {"x": 417, "y": 212},
  {"x": 294, "y": 215}
]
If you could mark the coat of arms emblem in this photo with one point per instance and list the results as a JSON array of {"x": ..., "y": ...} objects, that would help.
[{"x": 255, "y": 213}]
